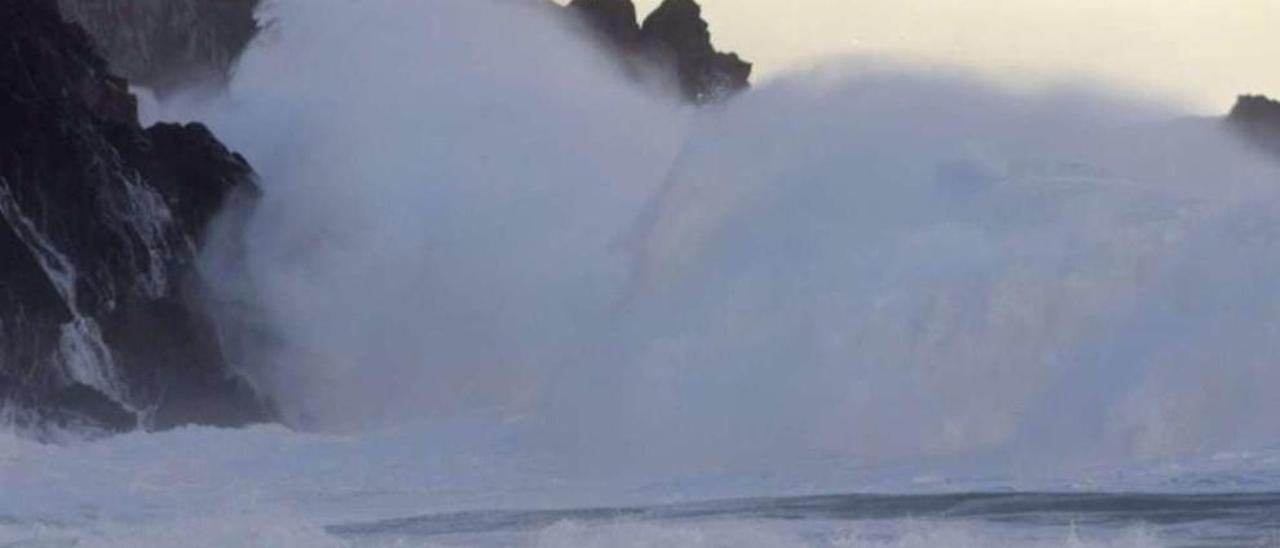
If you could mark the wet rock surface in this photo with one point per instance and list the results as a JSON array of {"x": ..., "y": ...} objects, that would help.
[
  {"x": 100, "y": 224},
  {"x": 165, "y": 44}
]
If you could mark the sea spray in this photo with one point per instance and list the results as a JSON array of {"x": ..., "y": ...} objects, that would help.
[
  {"x": 468, "y": 212},
  {"x": 459, "y": 242}
]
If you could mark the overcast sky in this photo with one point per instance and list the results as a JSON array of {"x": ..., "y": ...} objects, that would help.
[{"x": 1197, "y": 52}]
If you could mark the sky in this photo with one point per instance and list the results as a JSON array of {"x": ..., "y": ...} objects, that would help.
[{"x": 1196, "y": 53}]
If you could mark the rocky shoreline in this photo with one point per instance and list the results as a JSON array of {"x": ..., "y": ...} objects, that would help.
[{"x": 102, "y": 220}]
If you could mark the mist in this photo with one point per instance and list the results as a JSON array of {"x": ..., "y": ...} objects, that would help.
[{"x": 469, "y": 212}]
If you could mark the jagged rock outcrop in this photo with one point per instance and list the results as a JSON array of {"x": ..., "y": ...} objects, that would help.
[
  {"x": 674, "y": 36},
  {"x": 164, "y": 44},
  {"x": 614, "y": 20},
  {"x": 1257, "y": 118},
  {"x": 100, "y": 223},
  {"x": 677, "y": 30}
]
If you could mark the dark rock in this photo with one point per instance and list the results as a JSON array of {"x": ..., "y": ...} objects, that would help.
[
  {"x": 677, "y": 29},
  {"x": 1257, "y": 118},
  {"x": 100, "y": 223},
  {"x": 615, "y": 20},
  {"x": 165, "y": 44},
  {"x": 674, "y": 36}
]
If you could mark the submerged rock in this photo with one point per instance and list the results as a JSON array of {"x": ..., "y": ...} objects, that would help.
[
  {"x": 674, "y": 37},
  {"x": 100, "y": 224}
]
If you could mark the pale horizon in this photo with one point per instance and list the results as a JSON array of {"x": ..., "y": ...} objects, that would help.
[{"x": 1196, "y": 54}]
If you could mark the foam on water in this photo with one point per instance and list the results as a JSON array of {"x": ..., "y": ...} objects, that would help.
[
  {"x": 268, "y": 486},
  {"x": 895, "y": 534},
  {"x": 230, "y": 532}
]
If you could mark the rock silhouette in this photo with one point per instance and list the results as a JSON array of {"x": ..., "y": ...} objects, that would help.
[
  {"x": 1257, "y": 118},
  {"x": 674, "y": 37}
]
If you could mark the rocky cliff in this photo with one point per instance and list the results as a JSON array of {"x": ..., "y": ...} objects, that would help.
[
  {"x": 164, "y": 44},
  {"x": 100, "y": 223},
  {"x": 674, "y": 37}
]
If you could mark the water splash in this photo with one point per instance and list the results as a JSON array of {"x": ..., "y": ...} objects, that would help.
[
  {"x": 81, "y": 352},
  {"x": 139, "y": 213},
  {"x": 468, "y": 212}
]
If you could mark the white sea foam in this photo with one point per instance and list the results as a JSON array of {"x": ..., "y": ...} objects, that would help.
[
  {"x": 874, "y": 534},
  {"x": 287, "y": 532},
  {"x": 268, "y": 486}
]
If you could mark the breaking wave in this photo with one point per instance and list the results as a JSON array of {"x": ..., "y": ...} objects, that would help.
[{"x": 469, "y": 212}]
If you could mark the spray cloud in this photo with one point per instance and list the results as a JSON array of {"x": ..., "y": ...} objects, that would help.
[{"x": 467, "y": 210}]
